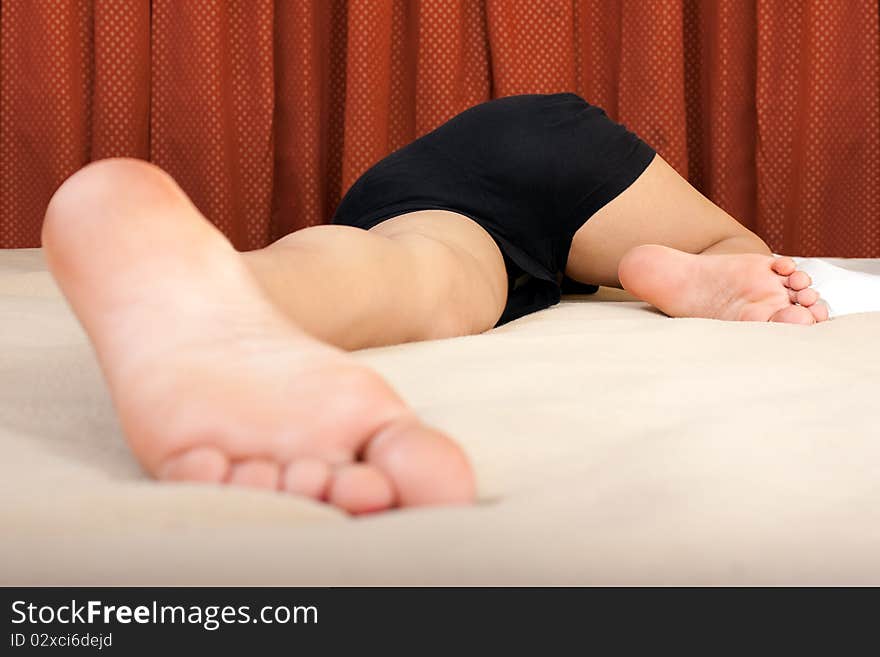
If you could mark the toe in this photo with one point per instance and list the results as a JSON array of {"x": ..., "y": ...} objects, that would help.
[
  {"x": 820, "y": 310},
  {"x": 206, "y": 464},
  {"x": 807, "y": 297},
  {"x": 793, "y": 315},
  {"x": 799, "y": 280},
  {"x": 784, "y": 266},
  {"x": 307, "y": 476},
  {"x": 425, "y": 466},
  {"x": 255, "y": 473},
  {"x": 360, "y": 488}
]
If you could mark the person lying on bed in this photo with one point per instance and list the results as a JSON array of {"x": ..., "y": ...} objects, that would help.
[{"x": 231, "y": 367}]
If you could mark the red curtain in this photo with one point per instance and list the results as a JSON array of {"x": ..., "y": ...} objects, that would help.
[{"x": 266, "y": 112}]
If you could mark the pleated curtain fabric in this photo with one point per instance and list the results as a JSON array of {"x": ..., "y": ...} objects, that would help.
[{"x": 266, "y": 112}]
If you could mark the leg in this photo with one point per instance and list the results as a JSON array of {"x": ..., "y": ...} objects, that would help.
[
  {"x": 668, "y": 244},
  {"x": 419, "y": 276},
  {"x": 214, "y": 382}
]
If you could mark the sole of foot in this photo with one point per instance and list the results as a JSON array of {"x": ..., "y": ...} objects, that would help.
[
  {"x": 211, "y": 382},
  {"x": 734, "y": 287}
]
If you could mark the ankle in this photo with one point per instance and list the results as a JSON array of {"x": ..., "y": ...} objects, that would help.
[{"x": 738, "y": 244}]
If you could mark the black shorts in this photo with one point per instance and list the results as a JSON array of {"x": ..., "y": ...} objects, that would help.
[{"x": 530, "y": 169}]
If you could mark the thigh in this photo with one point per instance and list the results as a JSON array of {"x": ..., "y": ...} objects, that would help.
[
  {"x": 459, "y": 257},
  {"x": 660, "y": 207}
]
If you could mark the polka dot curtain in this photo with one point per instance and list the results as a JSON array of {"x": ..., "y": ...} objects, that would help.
[{"x": 266, "y": 112}]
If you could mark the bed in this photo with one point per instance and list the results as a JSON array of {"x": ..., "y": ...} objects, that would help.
[{"x": 612, "y": 445}]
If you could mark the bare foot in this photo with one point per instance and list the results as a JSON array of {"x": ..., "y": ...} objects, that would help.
[
  {"x": 210, "y": 381},
  {"x": 737, "y": 287}
]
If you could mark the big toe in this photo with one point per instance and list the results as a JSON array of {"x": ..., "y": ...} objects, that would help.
[
  {"x": 424, "y": 465},
  {"x": 793, "y": 315},
  {"x": 820, "y": 310}
]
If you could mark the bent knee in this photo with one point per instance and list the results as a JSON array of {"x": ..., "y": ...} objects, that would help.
[
  {"x": 108, "y": 189},
  {"x": 459, "y": 297}
]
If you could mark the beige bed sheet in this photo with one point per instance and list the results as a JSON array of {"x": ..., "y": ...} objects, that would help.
[{"x": 613, "y": 445}]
